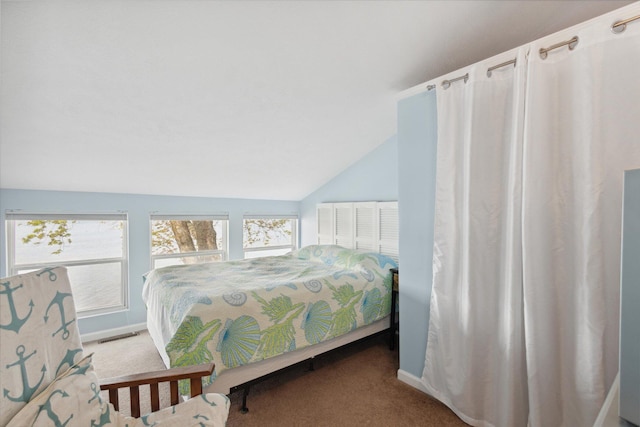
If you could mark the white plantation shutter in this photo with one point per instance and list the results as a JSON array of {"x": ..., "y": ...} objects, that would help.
[
  {"x": 344, "y": 224},
  {"x": 325, "y": 224},
  {"x": 388, "y": 229},
  {"x": 365, "y": 226},
  {"x": 368, "y": 226}
]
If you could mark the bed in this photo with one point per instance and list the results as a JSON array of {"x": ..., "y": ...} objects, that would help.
[{"x": 255, "y": 316}]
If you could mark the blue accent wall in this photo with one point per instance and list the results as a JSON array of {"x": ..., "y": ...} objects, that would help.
[
  {"x": 138, "y": 208},
  {"x": 372, "y": 178},
  {"x": 403, "y": 169},
  {"x": 417, "y": 141}
]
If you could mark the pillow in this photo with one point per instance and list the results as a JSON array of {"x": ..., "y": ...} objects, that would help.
[
  {"x": 342, "y": 257},
  {"x": 326, "y": 254}
]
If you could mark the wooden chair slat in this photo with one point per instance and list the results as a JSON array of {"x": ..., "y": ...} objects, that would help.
[
  {"x": 155, "y": 397},
  {"x": 113, "y": 398},
  {"x": 192, "y": 373},
  {"x": 135, "y": 401},
  {"x": 196, "y": 386},
  {"x": 175, "y": 398}
]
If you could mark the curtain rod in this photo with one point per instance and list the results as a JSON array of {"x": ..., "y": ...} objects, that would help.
[
  {"x": 617, "y": 27},
  {"x": 620, "y": 26},
  {"x": 447, "y": 83},
  {"x": 504, "y": 64},
  {"x": 572, "y": 43}
]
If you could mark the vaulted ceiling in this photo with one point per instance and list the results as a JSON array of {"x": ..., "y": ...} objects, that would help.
[{"x": 257, "y": 99}]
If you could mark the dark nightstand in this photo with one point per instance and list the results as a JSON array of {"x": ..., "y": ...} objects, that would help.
[{"x": 393, "y": 326}]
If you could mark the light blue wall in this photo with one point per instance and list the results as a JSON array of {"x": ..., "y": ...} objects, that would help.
[
  {"x": 403, "y": 169},
  {"x": 630, "y": 301},
  {"x": 417, "y": 138},
  {"x": 138, "y": 208},
  {"x": 372, "y": 178}
]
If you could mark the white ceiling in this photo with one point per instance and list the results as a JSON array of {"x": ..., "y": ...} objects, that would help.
[{"x": 264, "y": 100}]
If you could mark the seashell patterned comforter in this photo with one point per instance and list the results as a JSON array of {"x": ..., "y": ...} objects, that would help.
[{"x": 238, "y": 312}]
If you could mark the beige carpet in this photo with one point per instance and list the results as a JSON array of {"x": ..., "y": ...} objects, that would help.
[{"x": 353, "y": 386}]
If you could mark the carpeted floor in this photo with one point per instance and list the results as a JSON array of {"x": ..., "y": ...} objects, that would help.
[{"x": 356, "y": 385}]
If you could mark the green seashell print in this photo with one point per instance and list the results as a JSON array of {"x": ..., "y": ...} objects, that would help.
[
  {"x": 350, "y": 258},
  {"x": 342, "y": 294},
  {"x": 344, "y": 318},
  {"x": 238, "y": 341},
  {"x": 386, "y": 304},
  {"x": 316, "y": 321},
  {"x": 189, "y": 346},
  {"x": 280, "y": 337},
  {"x": 276, "y": 308},
  {"x": 372, "y": 305}
]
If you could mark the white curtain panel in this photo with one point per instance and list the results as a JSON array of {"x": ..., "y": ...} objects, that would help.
[
  {"x": 582, "y": 132},
  {"x": 475, "y": 360},
  {"x": 524, "y": 316}
]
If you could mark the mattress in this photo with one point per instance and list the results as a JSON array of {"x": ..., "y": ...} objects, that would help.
[{"x": 238, "y": 313}]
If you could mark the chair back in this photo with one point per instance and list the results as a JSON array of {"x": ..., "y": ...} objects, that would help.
[{"x": 39, "y": 335}]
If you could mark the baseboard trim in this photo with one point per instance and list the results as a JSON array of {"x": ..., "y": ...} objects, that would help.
[
  {"x": 95, "y": 336},
  {"x": 411, "y": 380}
]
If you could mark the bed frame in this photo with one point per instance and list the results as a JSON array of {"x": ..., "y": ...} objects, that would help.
[{"x": 242, "y": 377}]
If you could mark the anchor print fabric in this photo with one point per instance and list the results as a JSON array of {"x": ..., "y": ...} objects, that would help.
[
  {"x": 73, "y": 399},
  {"x": 205, "y": 410},
  {"x": 38, "y": 333},
  {"x": 238, "y": 312},
  {"x": 45, "y": 380}
]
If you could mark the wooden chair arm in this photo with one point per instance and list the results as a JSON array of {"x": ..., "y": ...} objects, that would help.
[{"x": 192, "y": 373}]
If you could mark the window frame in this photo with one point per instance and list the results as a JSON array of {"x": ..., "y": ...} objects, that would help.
[
  {"x": 190, "y": 217},
  {"x": 13, "y": 269},
  {"x": 294, "y": 232}
]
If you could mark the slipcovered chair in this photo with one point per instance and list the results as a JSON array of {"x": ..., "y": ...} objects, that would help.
[{"x": 45, "y": 379}]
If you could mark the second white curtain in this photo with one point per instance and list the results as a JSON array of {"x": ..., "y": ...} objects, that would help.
[
  {"x": 582, "y": 133},
  {"x": 523, "y": 327},
  {"x": 475, "y": 353}
]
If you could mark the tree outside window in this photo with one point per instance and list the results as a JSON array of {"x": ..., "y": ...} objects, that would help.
[
  {"x": 269, "y": 236},
  {"x": 187, "y": 240},
  {"x": 92, "y": 248}
]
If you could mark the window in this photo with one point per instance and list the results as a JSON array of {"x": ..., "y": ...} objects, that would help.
[
  {"x": 92, "y": 247},
  {"x": 269, "y": 235},
  {"x": 190, "y": 239}
]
